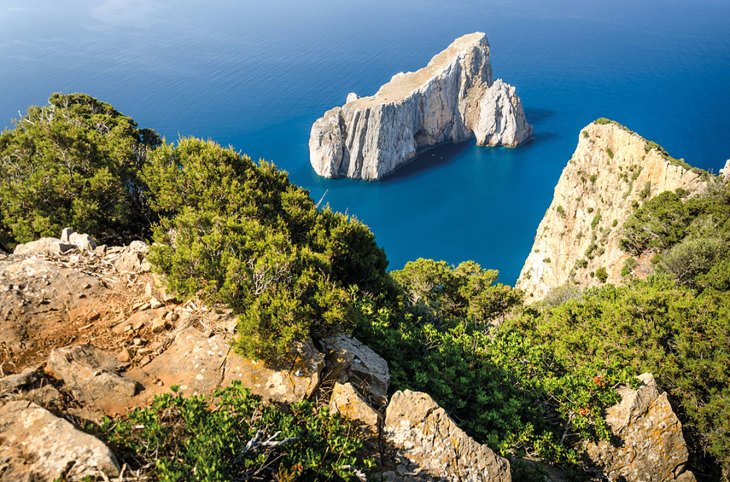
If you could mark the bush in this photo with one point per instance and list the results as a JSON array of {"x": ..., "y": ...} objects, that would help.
[
  {"x": 628, "y": 268},
  {"x": 660, "y": 223},
  {"x": 681, "y": 336},
  {"x": 74, "y": 162},
  {"x": 440, "y": 291},
  {"x": 181, "y": 438},
  {"x": 242, "y": 234},
  {"x": 692, "y": 258},
  {"x": 601, "y": 274},
  {"x": 539, "y": 383},
  {"x": 500, "y": 386}
]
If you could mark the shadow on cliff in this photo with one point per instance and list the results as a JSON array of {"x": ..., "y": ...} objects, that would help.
[{"x": 446, "y": 154}]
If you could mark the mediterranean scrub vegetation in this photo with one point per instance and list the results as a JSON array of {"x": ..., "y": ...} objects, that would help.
[
  {"x": 526, "y": 380},
  {"x": 240, "y": 439},
  {"x": 75, "y": 162},
  {"x": 242, "y": 234}
]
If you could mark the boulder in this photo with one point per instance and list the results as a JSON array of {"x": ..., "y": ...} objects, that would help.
[
  {"x": 199, "y": 363},
  {"x": 194, "y": 361},
  {"x": 91, "y": 376},
  {"x": 66, "y": 234},
  {"x": 18, "y": 381},
  {"x": 131, "y": 259},
  {"x": 281, "y": 384},
  {"x": 651, "y": 446},
  {"x": 347, "y": 402},
  {"x": 430, "y": 446},
  {"x": 350, "y": 360},
  {"x": 37, "y": 445},
  {"x": 44, "y": 247},
  {"x": 82, "y": 241}
]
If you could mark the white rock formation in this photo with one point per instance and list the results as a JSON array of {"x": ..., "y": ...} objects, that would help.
[
  {"x": 452, "y": 99},
  {"x": 430, "y": 446},
  {"x": 37, "y": 445},
  {"x": 613, "y": 170},
  {"x": 725, "y": 171},
  {"x": 651, "y": 447},
  {"x": 351, "y": 360}
]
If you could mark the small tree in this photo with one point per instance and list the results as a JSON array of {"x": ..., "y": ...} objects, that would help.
[
  {"x": 241, "y": 233},
  {"x": 74, "y": 162}
]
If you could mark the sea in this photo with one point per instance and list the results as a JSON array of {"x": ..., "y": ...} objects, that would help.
[{"x": 255, "y": 74}]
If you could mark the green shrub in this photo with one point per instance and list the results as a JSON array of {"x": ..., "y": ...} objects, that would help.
[
  {"x": 658, "y": 224},
  {"x": 500, "y": 386},
  {"x": 439, "y": 291},
  {"x": 692, "y": 258},
  {"x": 605, "y": 121},
  {"x": 601, "y": 274},
  {"x": 74, "y": 162},
  {"x": 679, "y": 335},
  {"x": 181, "y": 438},
  {"x": 242, "y": 234},
  {"x": 596, "y": 219},
  {"x": 646, "y": 191},
  {"x": 628, "y": 268}
]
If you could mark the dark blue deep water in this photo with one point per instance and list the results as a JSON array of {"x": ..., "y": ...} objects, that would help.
[{"x": 256, "y": 73}]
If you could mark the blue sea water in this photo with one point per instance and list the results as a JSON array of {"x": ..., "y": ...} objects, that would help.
[{"x": 256, "y": 73}]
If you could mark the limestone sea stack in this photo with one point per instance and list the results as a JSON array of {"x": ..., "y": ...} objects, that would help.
[{"x": 452, "y": 99}]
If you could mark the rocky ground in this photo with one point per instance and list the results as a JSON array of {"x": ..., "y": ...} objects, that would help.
[{"x": 88, "y": 331}]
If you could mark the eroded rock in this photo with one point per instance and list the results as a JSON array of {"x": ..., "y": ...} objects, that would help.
[
  {"x": 132, "y": 258},
  {"x": 347, "y": 402},
  {"x": 348, "y": 359},
  {"x": 91, "y": 376},
  {"x": 194, "y": 362},
  {"x": 44, "y": 247},
  {"x": 452, "y": 99},
  {"x": 284, "y": 384},
  {"x": 199, "y": 364},
  {"x": 612, "y": 171},
  {"x": 431, "y": 447},
  {"x": 651, "y": 445},
  {"x": 18, "y": 381},
  {"x": 37, "y": 445}
]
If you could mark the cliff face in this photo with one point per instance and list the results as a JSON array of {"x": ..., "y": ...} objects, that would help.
[
  {"x": 612, "y": 172},
  {"x": 452, "y": 99}
]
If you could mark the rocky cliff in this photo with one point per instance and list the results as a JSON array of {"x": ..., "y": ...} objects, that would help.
[
  {"x": 612, "y": 172},
  {"x": 452, "y": 99},
  {"x": 87, "y": 331}
]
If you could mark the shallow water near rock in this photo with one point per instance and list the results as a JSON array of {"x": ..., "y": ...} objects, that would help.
[{"x": 256, "y": 74}]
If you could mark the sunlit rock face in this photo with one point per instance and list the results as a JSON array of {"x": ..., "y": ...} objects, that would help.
[{"x": 452, "y": 99}]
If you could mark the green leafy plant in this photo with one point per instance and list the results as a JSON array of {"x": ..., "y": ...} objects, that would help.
[
  {"x": 234, "y": 436},
  {"x": 74, "y": 162},
  {"x": 240, "y": 233}
]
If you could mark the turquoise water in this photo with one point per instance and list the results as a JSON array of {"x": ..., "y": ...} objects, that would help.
[{"x": 255, "y": 74}]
